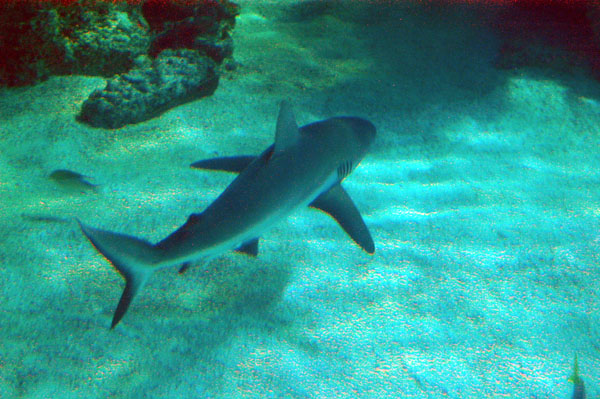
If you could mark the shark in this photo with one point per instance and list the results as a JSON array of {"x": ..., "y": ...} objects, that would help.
[{"x": 303, "y": 167}]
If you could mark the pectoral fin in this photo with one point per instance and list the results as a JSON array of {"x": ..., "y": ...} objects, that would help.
[
  {"x": 338, "y": 204},
  {"x": 227, "y": 164}
]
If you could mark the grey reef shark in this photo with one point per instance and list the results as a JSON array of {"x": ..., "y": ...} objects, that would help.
[{"x": 304, "y": 166}]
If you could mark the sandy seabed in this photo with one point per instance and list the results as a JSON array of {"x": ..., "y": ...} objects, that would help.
[{"x": 481, "y": 192}]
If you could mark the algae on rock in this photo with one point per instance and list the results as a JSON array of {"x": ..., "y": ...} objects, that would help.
[
  {"x": 89, "y": 37},
  {"x": 157, "y": 54}
]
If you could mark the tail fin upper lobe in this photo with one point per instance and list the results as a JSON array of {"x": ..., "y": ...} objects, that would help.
[{"x": 135, "y": 259}]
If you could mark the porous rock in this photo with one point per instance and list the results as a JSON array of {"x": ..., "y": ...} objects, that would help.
[
  {"x": 151, "y": 87},
  {"x": 199, "y": 25},
  {"x": 91, "y": 37}
]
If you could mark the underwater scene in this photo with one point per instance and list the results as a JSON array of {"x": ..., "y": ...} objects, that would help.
[{"x": 299, "y": 199}]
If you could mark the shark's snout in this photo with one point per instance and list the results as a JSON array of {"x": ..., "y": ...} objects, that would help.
[{"x": 364, "y": 130}]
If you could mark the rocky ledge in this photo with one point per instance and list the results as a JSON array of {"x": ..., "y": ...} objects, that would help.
[{"x": 157, "y": 54}]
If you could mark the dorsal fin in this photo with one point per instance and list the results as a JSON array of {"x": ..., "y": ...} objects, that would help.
[
  {"x": 181, "y": 233},
  {"x": 286, "y": 133}
]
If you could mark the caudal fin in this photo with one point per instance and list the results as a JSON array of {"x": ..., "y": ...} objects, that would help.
[{"x": 135, "y": 259}]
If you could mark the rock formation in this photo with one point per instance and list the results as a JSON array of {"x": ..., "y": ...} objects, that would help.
[
  {"x": 157, "y": 54},
  {"x": 150, "y": 88}
]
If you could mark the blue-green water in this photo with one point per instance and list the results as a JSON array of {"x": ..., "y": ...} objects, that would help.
[{"x": 481, "y": 192}]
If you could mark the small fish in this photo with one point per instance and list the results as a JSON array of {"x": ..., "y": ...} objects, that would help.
[
  {"x": 71, "y": 180},
  {"x": 578, "y": 385},
  {"x": 44, "y": 218}
]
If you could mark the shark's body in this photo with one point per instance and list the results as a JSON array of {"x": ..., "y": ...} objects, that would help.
[{"x": 303, "y": 167}]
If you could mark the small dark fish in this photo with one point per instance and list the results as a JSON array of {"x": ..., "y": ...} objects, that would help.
[
  {"x": 44, "y": 218},
  {"x": 70, "y": 179},
  {"x": 578, "y": 385}
]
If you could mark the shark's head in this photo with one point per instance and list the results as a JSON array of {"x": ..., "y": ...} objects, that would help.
[
  {"x": 345, "y": 139},
  {"x": 359, "y": 131}
]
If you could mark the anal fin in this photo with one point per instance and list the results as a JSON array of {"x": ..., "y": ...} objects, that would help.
[{"x": 184, "y": 267}]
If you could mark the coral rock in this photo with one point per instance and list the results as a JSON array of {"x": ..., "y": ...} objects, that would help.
[{"x": 150, "y": 88}]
